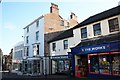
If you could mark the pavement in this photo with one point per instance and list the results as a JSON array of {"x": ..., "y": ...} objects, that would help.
[{"x": 14, "y": 76}]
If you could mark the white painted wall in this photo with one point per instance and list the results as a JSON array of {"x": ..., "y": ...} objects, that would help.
[
  {"x": 90, "y": 33},
  {"x": 32, "y": 37},
  {"x": 60, "y": 48}
]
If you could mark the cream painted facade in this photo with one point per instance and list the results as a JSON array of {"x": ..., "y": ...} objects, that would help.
[{"x": 90, "y": 33}]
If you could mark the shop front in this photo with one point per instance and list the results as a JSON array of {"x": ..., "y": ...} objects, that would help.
[
  {"x": 98, "y": 60},
  {"x": 33, "y": 66},
  {"x": 60, "y": 64}
]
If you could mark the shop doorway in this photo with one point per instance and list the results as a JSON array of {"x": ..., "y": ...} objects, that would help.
[{"x": 82, "y": 65}]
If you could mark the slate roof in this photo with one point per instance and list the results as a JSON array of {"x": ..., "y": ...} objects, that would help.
[
  {"x": 100, "y": 16},
  {"x": 101, "y": 39},
  {"x": 66, "y": 34}
]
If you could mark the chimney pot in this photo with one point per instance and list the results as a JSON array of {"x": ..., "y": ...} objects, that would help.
[{"x": 54, "y": 8}]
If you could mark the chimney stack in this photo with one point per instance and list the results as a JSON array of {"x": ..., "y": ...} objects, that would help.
[
  {"x": 73, "y": 16},
  {"x": 54, "y": 8}
]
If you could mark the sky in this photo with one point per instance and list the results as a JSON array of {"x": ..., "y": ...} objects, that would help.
[{"x": 16, "y": 14}]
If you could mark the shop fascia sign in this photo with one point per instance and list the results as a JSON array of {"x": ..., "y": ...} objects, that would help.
[
  {"x": 60, "y": 57},
  {"x": 95, "y": 48}
]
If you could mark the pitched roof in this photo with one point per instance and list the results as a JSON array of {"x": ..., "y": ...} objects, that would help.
[
  {"x": 66, "y": 34},
  {"x": 100, "y": 16}
]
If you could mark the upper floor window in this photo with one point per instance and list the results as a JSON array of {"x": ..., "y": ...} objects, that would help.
[
  {"x": 97, "y": 29},
  {"x": 27, "y": 51},
  {"x": 54, "y": 46},
  {"x": 113, "y": 25},
  {"x": 62, "y": 23},
  {"x": 37, "y": 23},
  {"x": 27, "y": 29},
  {"x": 37, "y": 49},
  {"x": 37, "y": 35},
  {"x": 84, "y": 32},
  {"x": 65, "y": 44},
  {"x": 27, "y": 40}
]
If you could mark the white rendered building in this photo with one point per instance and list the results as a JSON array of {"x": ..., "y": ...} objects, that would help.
[{"x": 17, "y": 57}]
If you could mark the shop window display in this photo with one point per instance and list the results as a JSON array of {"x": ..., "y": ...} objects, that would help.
[
  {"x": 104, "y": 63},
  {"x": 63, "y": 65},
  {"x": 94, "y": 63},
  {"x": 115, "y": 64}
]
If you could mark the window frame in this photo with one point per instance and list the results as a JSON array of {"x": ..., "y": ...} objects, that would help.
[
  {"x": 27, "y": 40},
  {"x": 37, "y": 23},
  {"x": 113, "y": 25},
  {"x": 27, "y": 29},
  {"x": 53, "y": 46},
  {"x": 62, "y": 23},
  {"x": 82, "y": 33},
  {"x": 65, "y": 46},
  {"x": 98, "y": 25},
  {"x": 27, "y": 52},
  {"x": 37, "y": 35}
]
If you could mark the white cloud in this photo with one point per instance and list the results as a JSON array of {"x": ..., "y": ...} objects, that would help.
[{"x": 10, "y": 26}]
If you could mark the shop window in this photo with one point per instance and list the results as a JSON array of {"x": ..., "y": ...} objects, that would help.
[
  {"x": 113, "y": 25},
  {"x": 94, "y": 63},
  {"x": 84, "y": 32},
  {"x": 63, "y": 65},
  {"x": 115, "y": 64},
  {"x": 65, "y": 44},
  {"x": 97, "y": 29},
  {"x": 104, "y": 63}
]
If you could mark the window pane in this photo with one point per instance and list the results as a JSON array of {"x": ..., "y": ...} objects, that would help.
[
  {"x": 62, "y": 23},
  {"x": 65, "y": 43},
  {"x": 84, "y": 32},
  {"x": 83, "y": 35},
  {"x": 37, "y": 35},
  {"x": 54, "y": 46},
  {"x": 113, "y": 25},
  {"x": 97, "y": 29},
  {"x": 37, "y": 23},
  {"x": 27, "y": 29},
  {"x": 37, "y": 49},
  {"x": 27, "y": 39}
]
